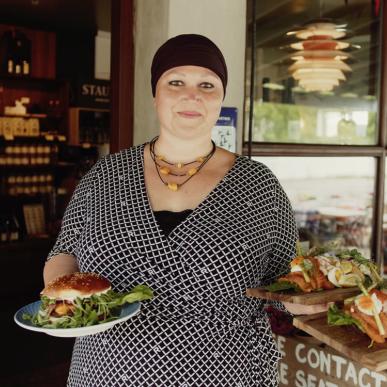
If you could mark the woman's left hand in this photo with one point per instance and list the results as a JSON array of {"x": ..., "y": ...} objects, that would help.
[{"x": 297, "y": 309}]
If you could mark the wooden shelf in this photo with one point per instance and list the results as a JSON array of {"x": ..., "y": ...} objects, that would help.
[
  {"x": 28, "y": 243},
  {"x": 24, "y": 115},
  {"x": 41, "y": 137},
  {"x": 32, "y": 80},
  {"x": 28, "y": 166}
]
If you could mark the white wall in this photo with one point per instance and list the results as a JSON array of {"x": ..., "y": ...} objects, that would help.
[
  {"x": 102, "y": 50},
  {"x": 150, "y": 31},
  {"x": 223, "y": 21}
]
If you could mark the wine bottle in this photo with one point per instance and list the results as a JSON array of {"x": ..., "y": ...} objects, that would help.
[
  {"x": 22, "y": 53},
  {"x": 26, "y": 56}
]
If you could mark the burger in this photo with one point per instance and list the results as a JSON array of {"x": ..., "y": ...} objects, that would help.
[
  {"x": 61, "y": 293},
  {"x": 82, "y": 299}
]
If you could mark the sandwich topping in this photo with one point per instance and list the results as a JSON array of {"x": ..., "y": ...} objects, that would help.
[
  {"x": 327, "y": 270},
  {"x": 367, "y": 311}
]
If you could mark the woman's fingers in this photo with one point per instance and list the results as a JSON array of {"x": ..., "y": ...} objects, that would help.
[
  {"x": 317, "y": 308},
  {"x": 305, "y": 309}
]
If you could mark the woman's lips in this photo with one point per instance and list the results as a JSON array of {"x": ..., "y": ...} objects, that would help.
[{"x": 189, "y": 114}]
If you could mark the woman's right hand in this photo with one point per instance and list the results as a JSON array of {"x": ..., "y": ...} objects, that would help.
[
  {"x": 297, "y": 309},
  {"x": 58, "y": 265}
]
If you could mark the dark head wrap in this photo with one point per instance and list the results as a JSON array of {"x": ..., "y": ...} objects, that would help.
[{"x": 188, "y": 50}]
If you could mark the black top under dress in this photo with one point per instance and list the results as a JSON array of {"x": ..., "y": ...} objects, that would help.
[
  {"x": 168, "y": 220},
  {"x": 200, "y": 329}
]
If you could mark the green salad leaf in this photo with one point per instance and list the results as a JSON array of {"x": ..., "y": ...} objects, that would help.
[
  {"x": 338, "y": 317},
  {"x": 354, "y": 254},
  {"x": 93, "y": 310},
  {"x": 361, "y": 260},
  {"x": 383, "y": 284},
  {"x": 280, "y": 286}
]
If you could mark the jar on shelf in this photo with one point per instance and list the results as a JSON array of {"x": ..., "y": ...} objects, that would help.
[{"x": 32, "y": 154}]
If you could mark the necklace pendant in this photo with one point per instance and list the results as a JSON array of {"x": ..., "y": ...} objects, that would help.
[
  {"x": 179, "y": 165},
  {"x": 173, "y": 186},
  {"x": 164, "y": 170},
  {"x": 192, "y": 171}
]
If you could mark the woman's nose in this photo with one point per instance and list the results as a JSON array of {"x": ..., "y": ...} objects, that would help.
[{"x": 191, "y": 94}]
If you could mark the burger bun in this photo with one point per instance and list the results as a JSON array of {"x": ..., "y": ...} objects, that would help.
[{"x": 71, "y": 286}]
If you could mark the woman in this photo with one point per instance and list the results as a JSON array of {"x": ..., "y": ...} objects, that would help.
[{"x": 196, "y": 223}]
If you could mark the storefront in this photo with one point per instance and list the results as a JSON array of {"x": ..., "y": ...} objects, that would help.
[
  {"x": 315, "y": 92},
  {"x": 324, "y": 135},
  {"x": 54, "y": 124}
]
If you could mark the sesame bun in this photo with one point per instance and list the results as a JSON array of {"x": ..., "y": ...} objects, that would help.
[{"x": 81, "y": 285}]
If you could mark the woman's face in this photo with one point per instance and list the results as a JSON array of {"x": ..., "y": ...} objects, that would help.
[{"x": 188, "y": 100}]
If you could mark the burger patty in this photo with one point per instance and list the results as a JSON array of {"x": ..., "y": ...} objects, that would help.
[{"x": 61, "y": 308}]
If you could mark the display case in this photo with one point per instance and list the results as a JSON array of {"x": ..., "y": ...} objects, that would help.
[{"x": 89, "y": 127}]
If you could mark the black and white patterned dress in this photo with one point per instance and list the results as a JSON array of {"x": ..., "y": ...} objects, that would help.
[{"x": 200, "y": 329}]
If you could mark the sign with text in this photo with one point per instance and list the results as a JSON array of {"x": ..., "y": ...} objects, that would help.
[
  {"x": 224, "y": 131},
  {"x": 93, "y": 93},
  {"x": 306, "y": 362}
]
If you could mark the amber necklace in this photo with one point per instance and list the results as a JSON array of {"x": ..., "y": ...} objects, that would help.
[{"x": 163, "y": 170}]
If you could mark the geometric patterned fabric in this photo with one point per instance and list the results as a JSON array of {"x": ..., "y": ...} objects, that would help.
[{"x": 200, "y": 329}]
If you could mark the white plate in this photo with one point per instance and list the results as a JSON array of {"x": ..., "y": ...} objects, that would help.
[{"x": 127, "y": 311}]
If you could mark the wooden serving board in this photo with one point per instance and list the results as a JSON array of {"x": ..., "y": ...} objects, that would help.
[
  {"x": 313, "y": 298},
  {"x": 347, "y": 340}
]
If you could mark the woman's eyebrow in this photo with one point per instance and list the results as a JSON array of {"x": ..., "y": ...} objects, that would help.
[
  {"x": 203, "y": 75},
  {"x": 176, "y": 73},
  {"x": 208, "y": 74}
]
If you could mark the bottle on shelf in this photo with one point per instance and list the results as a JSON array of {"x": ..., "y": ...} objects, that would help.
[
  {"x": 54, "y": 153},
  {"x": 32, "y": 154},
  {"x": 19, "y": 184},
  {"x": 24, "y": 155},
  {"x": 22, "y": 54},
  {"x": 27, "y": 185},
  {"x": 42, "y": 181},
  {"x": 11, "y": 185},
  {"x": 9, "y": 160},
  {"x": 7, "y": 49},
  {"x": 2, "y": 102},
  {"x": 46, "y": 152},
  {"x": 34, "y": 184},
  {"x": 17, "y": 154},
  {"x": 7, "y": 229},
  {"x": 10, "y": 230},
  {"x": 3, "y": 229},
  {"x": 14, "y": 230},
  {"x": 3, "y": 184},
  {"x": 39, "y": 154}
]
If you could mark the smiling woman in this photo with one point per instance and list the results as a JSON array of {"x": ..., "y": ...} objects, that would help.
[
  {"x": 194, "y": 222},
  {"x": 188, "y": 97}
]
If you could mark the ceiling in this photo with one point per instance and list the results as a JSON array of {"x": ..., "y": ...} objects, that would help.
[{"x": 57, "y": 15}]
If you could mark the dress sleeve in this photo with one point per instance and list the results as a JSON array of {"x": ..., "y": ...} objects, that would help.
[
  {"x": 285, "y": 238},
  {"x": 74, "y": 216}
]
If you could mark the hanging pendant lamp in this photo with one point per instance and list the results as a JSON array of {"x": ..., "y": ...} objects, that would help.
[{"x": 319, "y": 57}]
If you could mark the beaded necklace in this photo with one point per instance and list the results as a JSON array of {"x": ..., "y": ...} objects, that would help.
[{"x": 163, "y": 170}]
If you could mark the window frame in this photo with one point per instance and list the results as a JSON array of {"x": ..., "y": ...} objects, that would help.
[{"x": 378, "y": 151}]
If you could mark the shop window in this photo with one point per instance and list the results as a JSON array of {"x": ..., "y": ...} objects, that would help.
[
  {"x": 315, "y": 72},
  {"x": 332, "y": 198},
  {"x": 314, "y": 83}
]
